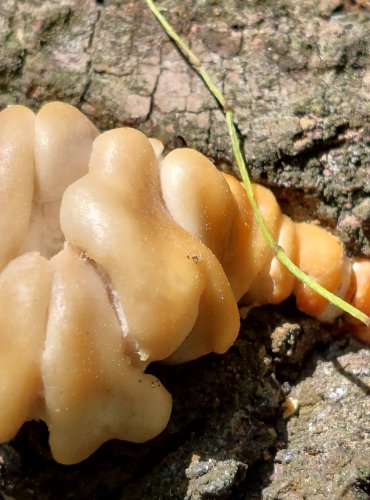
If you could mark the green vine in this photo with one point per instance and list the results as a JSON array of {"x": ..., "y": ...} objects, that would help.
[{"x": 229, "y": 113}]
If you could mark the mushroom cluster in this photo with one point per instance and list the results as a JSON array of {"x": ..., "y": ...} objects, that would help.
[{"x": 113, "y": 257}]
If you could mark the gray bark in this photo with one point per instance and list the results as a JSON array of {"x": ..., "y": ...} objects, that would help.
[{"x": 297, "y": 75}]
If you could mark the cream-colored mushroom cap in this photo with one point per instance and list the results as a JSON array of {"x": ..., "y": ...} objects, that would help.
[
  {"x": 24, "y": 297},
  {"x": 93, "y": 392},
  {"x": 321, "y": 256},
  {"x": 16, "y": 178},
  {"x": 64, "y": 138},
  {"x": 166, "y": 282},
  {"x": 267, "y": 280},
  {"x": 361, "y": 299},
  {"x": 199, "y": 199},
  {"x": 214, "y": 208}
]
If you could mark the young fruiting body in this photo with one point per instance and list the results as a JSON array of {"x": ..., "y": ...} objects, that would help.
[{"x": 113, "y": 257}]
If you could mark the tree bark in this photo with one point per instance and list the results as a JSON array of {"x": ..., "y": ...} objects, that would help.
[{"x": 296, "y": 74}]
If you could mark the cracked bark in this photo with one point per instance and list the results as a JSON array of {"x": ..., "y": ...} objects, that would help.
[{"x": 296, "y": 73}]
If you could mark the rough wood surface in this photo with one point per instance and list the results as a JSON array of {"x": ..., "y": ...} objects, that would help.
[{"x": 297, "y": 75}]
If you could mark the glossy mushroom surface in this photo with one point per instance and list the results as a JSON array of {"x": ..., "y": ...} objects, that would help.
[{"x": 113, "y": 257}]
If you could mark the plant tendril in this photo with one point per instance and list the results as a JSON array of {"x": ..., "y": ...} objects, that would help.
[{"x": 278, "y": 251}]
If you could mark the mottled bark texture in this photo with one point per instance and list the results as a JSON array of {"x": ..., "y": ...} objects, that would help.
[{"x": 296, "y": 73}]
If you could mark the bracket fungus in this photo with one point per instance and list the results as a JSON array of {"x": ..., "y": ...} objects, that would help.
[{"x": 112, "y": 257}]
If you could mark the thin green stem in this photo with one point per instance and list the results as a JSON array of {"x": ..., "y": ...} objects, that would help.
[
  {"x": 278, "y": 251},
  {"x": 188, "y": 53}
]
